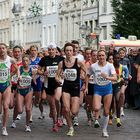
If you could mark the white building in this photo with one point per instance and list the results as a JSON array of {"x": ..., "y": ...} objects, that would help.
[
  {"x": 4, "y": 21},
  {"x": 40, "y": 22},
  {"x": 74, "y": 13},
  {"x": 49, "y": 22},
  {"x": 26, "y": 23}
]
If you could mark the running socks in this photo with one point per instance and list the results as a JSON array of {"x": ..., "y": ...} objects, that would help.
[{"x": 105, "y": 122}]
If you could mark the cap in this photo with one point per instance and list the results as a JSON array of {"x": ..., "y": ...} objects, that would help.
[{"x": 52, "y": 46}]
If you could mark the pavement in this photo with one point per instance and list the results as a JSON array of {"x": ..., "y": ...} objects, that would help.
[{"x": 41, "y": 129}]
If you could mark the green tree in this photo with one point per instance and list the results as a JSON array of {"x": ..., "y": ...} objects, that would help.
[{"x": 127, "y": 17}]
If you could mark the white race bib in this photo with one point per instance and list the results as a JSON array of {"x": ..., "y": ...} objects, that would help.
[
  {"x": 25, "y": 81},
  {"x": 91, "y": 79},
  {"x": 52, "y": 71},
  {"x": 4, "y": 75},
  {"x": 14, "y": 78},
  {"x": 70, "y": 74}
]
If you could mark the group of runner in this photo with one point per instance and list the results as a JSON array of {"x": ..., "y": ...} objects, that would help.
[{"x": 64, "y": 80}]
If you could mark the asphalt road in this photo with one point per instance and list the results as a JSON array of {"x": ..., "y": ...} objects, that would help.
[{"x": 41, "y": 129}]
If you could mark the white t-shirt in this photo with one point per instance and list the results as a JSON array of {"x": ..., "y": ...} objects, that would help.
[
  {"x": 79, "y": 57},
  {"x": 96, "y": 70}
]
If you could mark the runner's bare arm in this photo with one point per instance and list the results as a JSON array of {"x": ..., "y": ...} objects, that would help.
[
  {"x": 15, "y": 67},
  {"x": 58, "y": 72},
  {"x": 41, "y": 70},
  {"x": 83, "y": 67}
]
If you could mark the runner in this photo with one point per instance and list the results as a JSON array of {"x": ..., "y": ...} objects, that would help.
[
  {"x": 5, "y": 88},
  {"x": 104, "y": 73},
  {"x": 48, "y": 66},
  {"x": 91, "y": 57},
  {"x": 122, "y": 79},
  {"x": 17, "y": 55},
  {"x": 71, "y": 67},
  {"x": 34, "y": 60},
  {"x": 80, "y": 57},
  {"x": 25, "y": 91},
  {"x": 125, "y": 62}
]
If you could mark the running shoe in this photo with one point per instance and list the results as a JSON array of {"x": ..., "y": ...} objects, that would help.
[
  {"x": 27, "y": 128},
  {"x": 4, "y": 131},
  {"x": 75, "y": 121},
  {"x": 70, "y": 132},
  {"x": 41, "y": 117},
  {"x": 96, "y": 124},
  {"x": 18, "y": 117},
  {"x": 118, "y": 122},
  {"x": 64, "y": 122},
  {"x": 59, "y": 123},
  {"x": 105, "y": 134},
  {"x": 55, "y": 128},
  {"x": 13, "y": 125}
]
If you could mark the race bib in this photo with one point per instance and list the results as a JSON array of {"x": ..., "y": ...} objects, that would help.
[
  {"x": 91, "y": 79},
  {"x": 25, "y": 81},
  {"x": 4, "y": 74},
  {"x": 14, "y": 78},
  {"x": 52, "y": 71},
  {"x": 70, "y": 74},
  {"x": 100, "y": 80}
]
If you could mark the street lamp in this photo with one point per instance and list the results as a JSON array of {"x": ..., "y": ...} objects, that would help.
[
  {"x": 85, "y": 32},
  {"x": 97, "y": 31}
]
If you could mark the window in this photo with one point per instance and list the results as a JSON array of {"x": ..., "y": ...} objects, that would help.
[
  {"x": 104, "y": 10},
  {"x": 91, "y": 25},
  {"x": 104, "y": 28}
]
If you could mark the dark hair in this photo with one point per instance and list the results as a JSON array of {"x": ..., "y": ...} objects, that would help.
[
  {"x": 58, "y": 49},
  {"x": 101, "y": 51},
  {"x": 33, "y": 46},
  {"x": 69, "y": 44},
  {"x": 75, "y": 42},
  {"x": 17, "y": 47},
  {"x": 93, "y": 51},
  {"x": 109, "y": 56},
  {"x": 88, "y": 48}
]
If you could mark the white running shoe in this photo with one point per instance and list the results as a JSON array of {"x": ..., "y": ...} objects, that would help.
[
  {"x": 75, "y": 121},
  {"x": 105, "y": 134},
  {"x": 42, "y": 116},
  {"x": 64, "y": 121},
  {"x": 4, "y": 131},
  {"x": 13, "y": 125},
  {"x": 18, "y": 117},
  {"x": 27, "y": 128},
  {"x": 96, "y": 124}
]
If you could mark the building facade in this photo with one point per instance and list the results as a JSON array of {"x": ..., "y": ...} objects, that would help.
[
  {"x": 4, "y": 21},
  {"x": 50, "y": 22},
  {"x": 92, "y": 13},
  {"x": 27, "y": 22}
]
